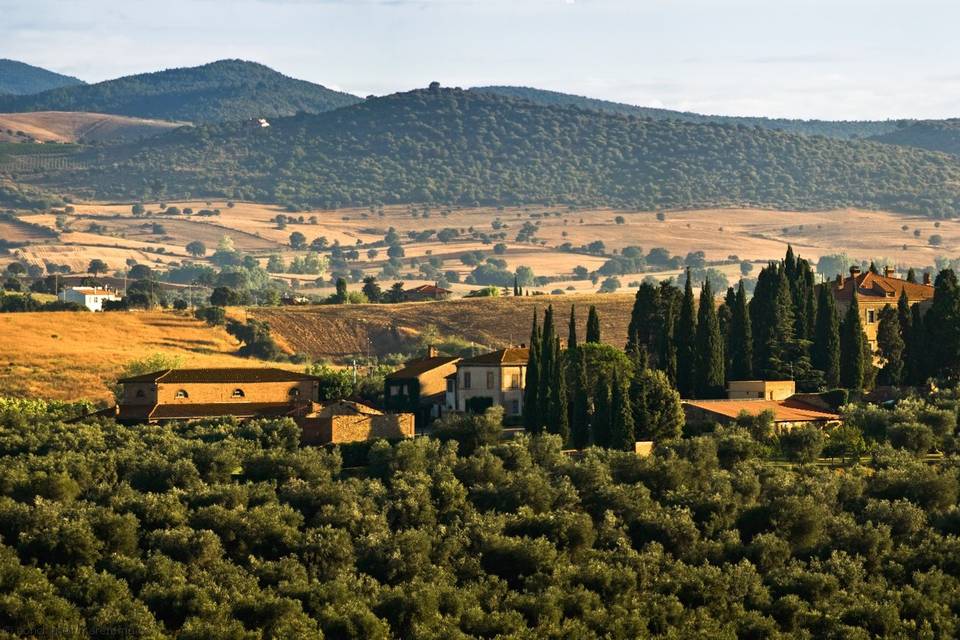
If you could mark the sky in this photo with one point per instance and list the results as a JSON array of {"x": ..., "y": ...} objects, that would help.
[{"x": 839, "y": 59}]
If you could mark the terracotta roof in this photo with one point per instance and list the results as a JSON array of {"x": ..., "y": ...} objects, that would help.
[
  {"x": 508, "y": 356},
  {"x": 873, "y": 286},
  {"x": 188, "y": 411},
  {"x": 262, "y": 374},
  {"x": 429, "y": 289},
  {"x": 416, "y": 368},
  {"x": 345, "y": 407},
  {"x": 789, "y": 410}
]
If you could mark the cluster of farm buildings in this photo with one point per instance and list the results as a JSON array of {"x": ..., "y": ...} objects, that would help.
[{"x": 434, "y": 385}]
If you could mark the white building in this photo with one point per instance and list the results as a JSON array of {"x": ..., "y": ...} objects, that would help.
[{"x": 90, "y": 297}]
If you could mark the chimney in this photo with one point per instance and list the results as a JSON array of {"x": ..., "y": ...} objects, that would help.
[
  {"x": 854, "y": 271},
  {"x": 926, "y": 278},
  {"x": 888, "y": 271},
  {"x": 432, "y": 352}
]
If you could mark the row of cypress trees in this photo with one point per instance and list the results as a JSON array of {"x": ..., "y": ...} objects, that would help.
[{"x": 789, "y": 329}]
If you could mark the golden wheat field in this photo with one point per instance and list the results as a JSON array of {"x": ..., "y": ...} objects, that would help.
[{"x": 69, "y": 355}]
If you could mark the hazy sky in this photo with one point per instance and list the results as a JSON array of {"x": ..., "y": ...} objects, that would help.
[{"x": 813, "y": 59}]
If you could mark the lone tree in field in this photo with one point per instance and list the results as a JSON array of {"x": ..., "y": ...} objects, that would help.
[
  {"x": 97, "y": 266},
  {"x": 298, "y": 240},
  {"x": 196, "y": 248}
]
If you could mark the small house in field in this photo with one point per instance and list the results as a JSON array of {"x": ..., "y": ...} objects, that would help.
[
  {"x": 492, "y": 378},
  {"x": 420, "y": 386},
  {"x": 90, "y": 297},
  {"x": 426, "y": 292}
]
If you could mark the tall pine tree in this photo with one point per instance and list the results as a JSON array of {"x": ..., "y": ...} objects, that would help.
[
  {"x": 643, "y": 317},
  {"x": 890, "y": 345},
  {"x": 531, "y": 388},
  {"x": 593, "y": 325},
  {"x": 917, "y": 358},
  {"x": 558, "y": 422},
  {"x": 685, "y": 338},
  {"x": 825, "y": 351},
  {"x": 547, "y": 393},
  {"x": 942, "y": 322},
  {"x": 740, "y": 339},
  {"x": 851, "y": 348},
  {"x": 708, "y": 356}
]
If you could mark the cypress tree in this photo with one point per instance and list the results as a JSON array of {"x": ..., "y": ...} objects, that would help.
[
  {"x": 851, "y": 348},
  {"x": 942, "y": 322},
  {"x": 531, "y": 389},
  {"x": 911, "y": 275},
  {"x": 600, "y": 421},
  {"x": 917, "y": 368},
  {"x": 572, "y": 331},
  {"x": 593, "y": 325},
  {"x": 890, "y": 345},
  {"x": 873, "y": 268},
  {"x": 826, "y": 341},
  {"x": 708, "y": 356},
  {"x": 621, "y": 417},
  {"x": 904, "y": 317},
  {"x": 685, "y": 338},
  {"x": 558, "y": 421},
  {"x": 580, "y": 410},
  {"x": 547, "y": 394},
  {"x": 724, "y": 316},
  {"x": 516, "y": 286},
  {"x": 638, "y": 392},
  {"x": 643, "y": 317},
  {"x": 790, "y": 264},
  {"x": 740, "y": 339}
]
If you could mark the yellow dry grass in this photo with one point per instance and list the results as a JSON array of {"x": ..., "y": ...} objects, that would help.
[
  {"x": 338, "y": 332},
  {"x": 72, "y": 355},
  {"x": 74, "y": 126}
]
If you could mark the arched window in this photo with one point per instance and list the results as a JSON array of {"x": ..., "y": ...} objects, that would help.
[
  {"x": 294, "y": 393},
  {"x": 140, "y": 393},
  {"x": 238, "y": 393},
  {"x": 182, "y": 394}
]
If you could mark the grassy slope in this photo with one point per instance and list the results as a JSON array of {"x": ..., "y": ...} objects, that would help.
[
  {"x": 339, "y": 332},
  {"x": 67, "y": 355}
]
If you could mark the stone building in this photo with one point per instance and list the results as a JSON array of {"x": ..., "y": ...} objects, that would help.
[
  {"x": 420, "y": 386},
  {"x": 345, "y": 421},
  {"x": 874, "y": 292},
  {"x": 492, "y": 378}
]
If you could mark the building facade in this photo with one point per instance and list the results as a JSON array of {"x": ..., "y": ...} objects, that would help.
[
  {"x": 492, "y": 378},
  {"x": 874, "y": 291},
  {"x": 345, "y": 421},
  {"x": 90, "y": 297},
  {"x": 760, "y": 389}
]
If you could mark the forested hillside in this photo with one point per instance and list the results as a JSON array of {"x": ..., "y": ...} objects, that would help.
[
  {"x": 456, "y": 147},
  {"x": 935, "y": 135},
  {"x": 844, "y": 129},
  {"x": 223, "y": 90},
  {"x": 18, "y": 78}
]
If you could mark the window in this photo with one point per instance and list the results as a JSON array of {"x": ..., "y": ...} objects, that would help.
[
  {"x": 182, "y": 394},
  {"x": 450, "y": 386},
  {"x": 514, "y": 407},
  {"x": 394, "y": 390},
  {"x": 140, "y": 393},
  {"x": 871, "y": 316},
  {"x": 238, "y": 393},
  {"x": 514, "y": 380},
  {"x": 294, "y": 393},
  {"x": 466, "y": 379},
  {"x": 489, "y": 379}
]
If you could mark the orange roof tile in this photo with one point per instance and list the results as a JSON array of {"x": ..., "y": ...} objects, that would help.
[
  {"x": 508, "y": 356},
  {"x": 871, "y": 286},
  {"x": 788, "y": 410}
]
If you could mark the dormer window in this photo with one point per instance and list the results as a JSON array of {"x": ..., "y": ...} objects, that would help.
[
  {"x": 182, "y": 394},
  {"x": 238, "y": 393}
]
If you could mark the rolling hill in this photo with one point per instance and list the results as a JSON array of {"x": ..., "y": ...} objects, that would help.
[
  {"x": 18, "y": 78},
  {"x": 77, "y": 126},
  {"x": 454, "y": 147},
  {"x": 934, "y": 135},
  {"x": 843, "y": 129},
  {"x": 215, "y": 92}
]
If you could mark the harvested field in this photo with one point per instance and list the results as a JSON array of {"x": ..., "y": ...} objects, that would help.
[
  {"x": 76, "y": 126},
  {"x": 338, "y": 332},
  {"x": 70, "y": 355}
]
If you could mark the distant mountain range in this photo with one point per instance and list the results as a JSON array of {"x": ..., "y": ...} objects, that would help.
[
  {"x": 17, "y": 78},
  {"x": 215, "y": 92},
  {"x": 450, "y": 147},
  {"x": 845, "y": 129}
]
